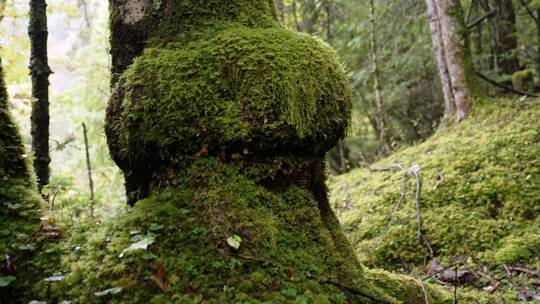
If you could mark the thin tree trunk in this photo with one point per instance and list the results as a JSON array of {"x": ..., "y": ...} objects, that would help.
[
  {"x": 504, "y": 36},
  {"x": 457, "y": 55},
  {"x": 39, "y": 70},
  {"x": 537, "y": 22},
  {"x": 89, "y": 170},
  {"x": 440, "y": 57},
  {"x": 295, "y": 16},
  {"x": 380, "y": 114}
]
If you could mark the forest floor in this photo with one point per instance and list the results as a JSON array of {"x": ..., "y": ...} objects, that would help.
[{"x": 460, "y": 209}]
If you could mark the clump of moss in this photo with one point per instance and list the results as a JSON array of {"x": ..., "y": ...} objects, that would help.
[
  {"x": 235, "y": 92},
  {"x": 481, "y": 188},
  {"x": 523, "y": 80}
]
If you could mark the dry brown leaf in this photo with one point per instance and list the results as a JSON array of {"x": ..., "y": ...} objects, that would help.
[{"x": 160, "y": 276}]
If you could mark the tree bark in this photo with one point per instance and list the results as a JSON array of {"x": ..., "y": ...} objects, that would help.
[
  {"x": 40, "y": 71},
  {"x": 450, "y": 23},
  {"x": 440, "y": 58}
]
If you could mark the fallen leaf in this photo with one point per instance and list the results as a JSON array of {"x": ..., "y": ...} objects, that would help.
[
  {"x": 56, "y": 278},
  {"x": 234, "y": 241},
  {"x": 50, "y": 231},
  {"x": 160, "y": 276},
  {"x": 489, "y": 289},
  {"x": 5, "y": 281},
  {"x": 140, "y": 245}
]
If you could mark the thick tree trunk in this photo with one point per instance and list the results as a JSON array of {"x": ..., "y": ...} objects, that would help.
[
  {"x": 455, "y": 49},
  {"x": 216, "y": 100},
  {"x": 504, "y": 38},
  {"x": 39, "y": 70}
]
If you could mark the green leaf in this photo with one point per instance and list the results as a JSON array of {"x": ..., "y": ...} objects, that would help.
[
  {"x": 155, "y": 227},
  {"x": 234, "y": 241},
  {"x": 5, "y": 281},
  {"x": 140, "y": 245},
  {"x": 111, "y": 291}
]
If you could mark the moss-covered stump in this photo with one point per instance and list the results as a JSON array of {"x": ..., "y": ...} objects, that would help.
[{"x": 480, "y": 194}]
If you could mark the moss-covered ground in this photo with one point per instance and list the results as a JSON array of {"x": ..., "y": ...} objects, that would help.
[
  {"x": 480, "y": 194},
  {"x": 221, "y": 238}
]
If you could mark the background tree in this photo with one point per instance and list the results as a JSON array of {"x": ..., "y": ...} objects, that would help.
[
  {"x": 502, "y": 27},
  {"x": 40, "y": 71},
  {"x": 449, "y": 31}
]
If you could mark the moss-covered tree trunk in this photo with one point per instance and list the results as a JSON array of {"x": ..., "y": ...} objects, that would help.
[
  {"x": 220, "y": 120},
  {"x": 40, "y": 71}
]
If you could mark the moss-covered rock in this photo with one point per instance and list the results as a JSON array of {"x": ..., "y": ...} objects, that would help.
[{"x": 480, "y": 193}]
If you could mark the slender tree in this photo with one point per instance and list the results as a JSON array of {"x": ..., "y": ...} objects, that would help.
[
  {"x": 40, "y": 71},
  {"x": 440, "y": 57},
  {"x": 534, "y": 14},
  {"x": 451, "y": 47},
  {"x": 381, "y": 118},
  {"x": 503, "y": 35}
]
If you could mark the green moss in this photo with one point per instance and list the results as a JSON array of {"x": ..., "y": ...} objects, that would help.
[
  {"x": 481, "y": 188},
  {"x": 209, "y": 93},
  {"x": 12, "y": 162},
  {"x": 523, "y": 80},
  {"x": 205, "y": 97}
]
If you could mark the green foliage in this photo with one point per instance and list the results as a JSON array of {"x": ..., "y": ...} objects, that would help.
[{"x": 481, "y": 187}]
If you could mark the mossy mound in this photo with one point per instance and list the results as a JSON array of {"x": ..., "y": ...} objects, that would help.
[
  {"x": 19, "y": 212},
  {"x": 178, "y": 246},
  {"x": 234, "y": 93},
  {"x": 480, "y": 193}
]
